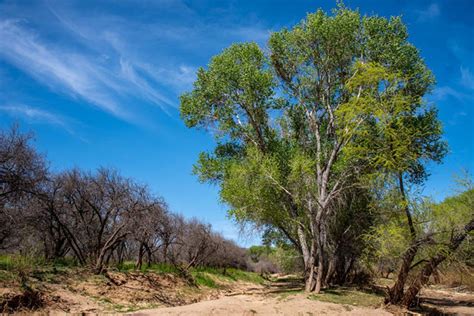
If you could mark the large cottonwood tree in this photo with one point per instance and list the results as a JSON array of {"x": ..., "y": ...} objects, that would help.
[{"x": 338, "y": 98}]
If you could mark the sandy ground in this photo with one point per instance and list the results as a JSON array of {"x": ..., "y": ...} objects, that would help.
[
  {"x": 448, "y": 301},
  {"x": 261, "y": 300},
  {"x": 152, "y": 294},
  {"x": 246, "y": 305}
]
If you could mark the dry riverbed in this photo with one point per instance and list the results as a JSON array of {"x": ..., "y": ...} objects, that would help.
[
  {"x": 76, "y": 291},
  {"x": 298, "y": 304}
]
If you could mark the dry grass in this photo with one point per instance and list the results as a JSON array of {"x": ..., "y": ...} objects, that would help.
[
  {"x": 65, "y": 287},
  {"x": 462, "y": 277}
]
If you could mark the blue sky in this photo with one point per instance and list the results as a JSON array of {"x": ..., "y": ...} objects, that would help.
[{"x": 98, "y": 81}]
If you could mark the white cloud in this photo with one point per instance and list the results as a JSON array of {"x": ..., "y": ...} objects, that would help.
[
  {"x": 444, "y": 92},
  {"x": 112, "y": 61},
  {"x": 467, "y": 78},
  {"x": 179, "y": 77},
  {"x": 74, "y": 73},
  {"x": 91, "y": 77},
  {"x": 429, "y": 13},
  {"x": 461, "y": 91},
  {"x": 36, "y": 115},
  {"x": 130, "y": 74}
]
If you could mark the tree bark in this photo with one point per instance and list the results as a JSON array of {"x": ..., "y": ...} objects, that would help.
[
  {"x": 149, "y": 255},
  {"x": 139, "y": 263},
  {"x": 407, "y": 210},
  {"x": 395, "y": 294},
  {"x": 424, "y": 275},
  {"x": 113, "y": 239},
  {"x": 308, "y": 259},
  {"x": 320, "y": 277}
]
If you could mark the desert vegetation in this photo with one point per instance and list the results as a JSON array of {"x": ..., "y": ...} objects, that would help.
[
  {"x": 97, "y": 218},
  {"x": 323, "y": 141}
]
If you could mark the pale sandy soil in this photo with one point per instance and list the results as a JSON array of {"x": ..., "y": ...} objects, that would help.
[
  {"x": 448, "y": 301},
  {"x": 152, "y": 294},
  {"x": 259, "y": 300},
  {"x": 246, "y": 305},
  {"x": 267, "y": 300}
]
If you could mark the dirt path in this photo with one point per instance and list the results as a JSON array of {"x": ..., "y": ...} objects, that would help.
[
  {"x": 297, "y": 304},
  {"x": 286, "y": 297},
  {"x": 264, "y": 300}
]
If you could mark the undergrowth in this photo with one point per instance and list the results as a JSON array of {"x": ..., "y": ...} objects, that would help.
[
  {"x": 349, "y": 296},
  {"x": 13, "y": 265}
]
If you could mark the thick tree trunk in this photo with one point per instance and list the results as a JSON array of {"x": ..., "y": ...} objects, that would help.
[
  {"x": 310, "y": 281},
  {"x": 320, "y": 278},
  {"x": 424, "y": 275},
  {"x": 331, "y": 269},
  {"x": 120, "y": 253},
  {"x": 320, "y": 275},
  {"x": 395, "y": 294},
  {"x": 308, "y": 259}
]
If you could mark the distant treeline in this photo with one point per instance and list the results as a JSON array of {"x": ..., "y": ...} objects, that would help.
[{"x": 96, "y": 218}]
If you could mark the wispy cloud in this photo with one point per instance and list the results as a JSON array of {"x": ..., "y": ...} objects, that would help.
[
  {"x": 70, "y": 71},
  {"x": 91, "y": 77},
  {"x": 462, "y": 89},
  {"x": 467, "y": 78},
  {"x": 115, "y": 61},
  {"x": 36, "y": 115},
  {"x": 431, "y": 12},
  {"x": 129, "y": 72},
  {"x": 443, "y": 92},
  {"x": 180, "y": 77}
]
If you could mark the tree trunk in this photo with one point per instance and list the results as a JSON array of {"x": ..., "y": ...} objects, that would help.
[
  {"x": 407, "y": 210},
  {"x": 308, "y": 259},
  {"x": 331, "y": 269},
  {"x": 310, "y": 281},
  {"x": 424, "y": 275},
  {"x": 395, "y": 294},
  {"x": 320, "y": 277},
  {"x": 139, "y": 263},
  {"x": 165, "y": 252},
  {"x": 113, "y": 239},
  {"x": 149, "y": 256}
]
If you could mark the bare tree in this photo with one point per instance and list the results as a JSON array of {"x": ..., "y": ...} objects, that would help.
[{"x": 22, "y": 169}]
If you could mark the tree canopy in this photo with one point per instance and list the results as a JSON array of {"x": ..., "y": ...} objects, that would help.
[{"x": 301, "y": 130}]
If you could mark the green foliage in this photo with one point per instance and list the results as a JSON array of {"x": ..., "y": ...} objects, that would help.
[
  {"x": 207, "y": 276},
  {"x": 283, "y": 256},
  {"x": 453, "y": 213},
  {"x": 350, "y": 297},
  {"x": 288, "y": 260},
  {"x": 13, "y": 262},
  {"x": 203, "y": 279},
  {"x": 392, "y": 129},
  {"x": 245, "y": 276},
  {"x": 154, "y": 267},
  {"x": 447, "y": 219},
  {"x": 236, "y": 85},
  {"x": 390, "y": 237},
  {"x": 257, "y": 252},
  {"x": 350, "y": 110}
]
